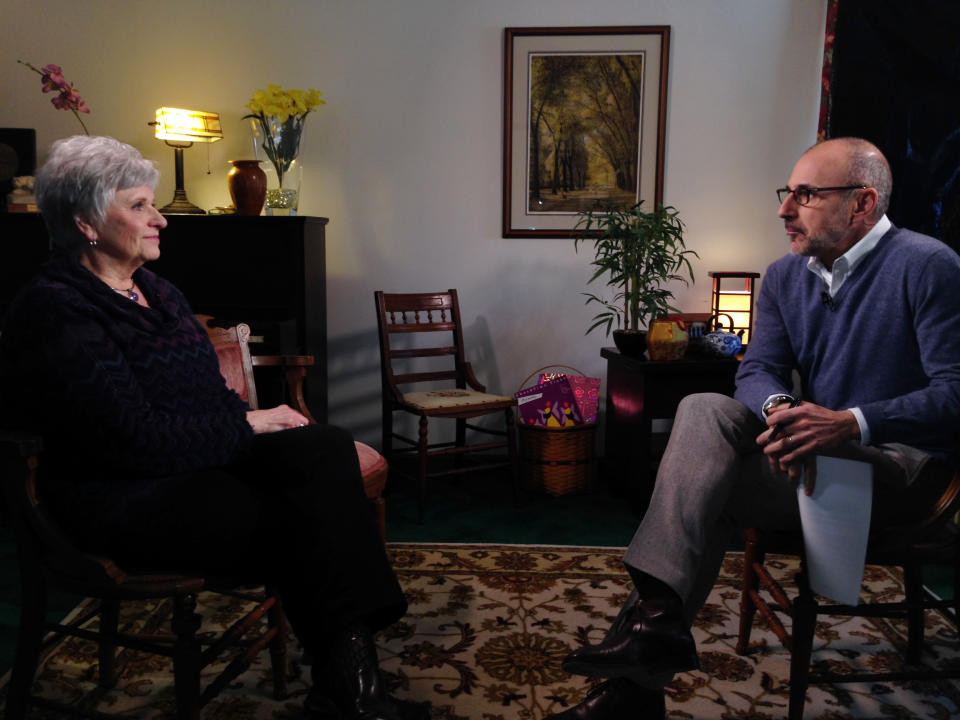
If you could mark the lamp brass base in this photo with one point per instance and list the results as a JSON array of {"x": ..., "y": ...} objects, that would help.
[{"x": 181, "y": 206}]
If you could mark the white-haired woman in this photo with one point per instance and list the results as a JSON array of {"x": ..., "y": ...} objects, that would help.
[{"x": 152, "y": 459}]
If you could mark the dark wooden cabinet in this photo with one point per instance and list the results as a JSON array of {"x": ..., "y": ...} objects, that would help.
[
  {"x": 23, "y": 238},
  {"x": 269, "y": 272},
  {"x": 640, "y": 391}
]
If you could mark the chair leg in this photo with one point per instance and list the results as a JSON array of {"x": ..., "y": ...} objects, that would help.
[
  {"x": 186, "y": 658},
  {"x": 29, "y": 640},
  {"x": 107, "y": 650},
  {"x": 461, "y": 440},
  {"x": 422, "y": 466},
  {"x": 804, "y": 625},
  {"x": 512, "y": 454},
  {"x": 278, "y": 647},
  {"x": 752, "y": 553},
  {"x": 380, "y": 510},
  {"x": 386, "y": 433},
  {"x": 956, "y": 588},
  {"x": 913, "y": 589}
]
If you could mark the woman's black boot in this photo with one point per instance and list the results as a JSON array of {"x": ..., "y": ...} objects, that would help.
[
  {"x": 352, "y": 679},
  {"x": 348, "y": 683}
]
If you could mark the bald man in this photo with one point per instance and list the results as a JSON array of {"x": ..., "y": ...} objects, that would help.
[{"x": 866, "y": 314}]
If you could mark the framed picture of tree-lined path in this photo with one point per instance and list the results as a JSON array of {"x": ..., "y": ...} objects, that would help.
[{"x": 583, "y": 121}]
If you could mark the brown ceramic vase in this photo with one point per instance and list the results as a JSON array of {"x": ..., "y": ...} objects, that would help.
[{"x": 248, "y": 186}]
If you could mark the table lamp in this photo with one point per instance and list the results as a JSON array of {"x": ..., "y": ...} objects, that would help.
[
  {"x": 180, "y": 129},
  {"x": 733, "y": 296}
]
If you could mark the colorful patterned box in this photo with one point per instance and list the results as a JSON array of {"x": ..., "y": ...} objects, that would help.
[
  {"x": 586, "y": 391},
  {"x": 549, "y": 404}
]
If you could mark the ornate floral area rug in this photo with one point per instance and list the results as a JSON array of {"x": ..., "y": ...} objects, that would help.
[{"x": 489, "y": 624}]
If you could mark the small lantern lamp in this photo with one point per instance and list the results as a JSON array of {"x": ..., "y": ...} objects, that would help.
[
  {"x": 733, "y": 296},
  {"x": 180, "y": 129}
]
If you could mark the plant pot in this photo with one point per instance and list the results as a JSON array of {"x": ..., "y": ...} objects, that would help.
[{"x": 631, "y": 343}]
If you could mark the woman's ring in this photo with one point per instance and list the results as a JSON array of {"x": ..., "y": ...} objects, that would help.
[{"x": 302, "y": 424}]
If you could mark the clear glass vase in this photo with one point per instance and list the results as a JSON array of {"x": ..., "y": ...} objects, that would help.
[{"x": 278, "y": 146}]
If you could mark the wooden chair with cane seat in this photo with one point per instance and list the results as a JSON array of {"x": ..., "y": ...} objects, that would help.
[
  {"x": 934, "y": 539},
  {"x": 47, "y": 555},
  {"x": 421, "y": 343}
]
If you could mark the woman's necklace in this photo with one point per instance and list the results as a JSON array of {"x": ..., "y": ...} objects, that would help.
[{"x": 129, "y": 292}]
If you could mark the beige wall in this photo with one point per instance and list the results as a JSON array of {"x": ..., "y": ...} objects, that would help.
[{"x": 405, "y": 158}]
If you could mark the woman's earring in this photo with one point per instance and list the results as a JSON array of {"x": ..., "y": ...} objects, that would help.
[{"x": 93, "y": 243}]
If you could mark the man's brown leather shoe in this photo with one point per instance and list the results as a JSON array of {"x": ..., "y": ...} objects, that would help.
[
  {"x": 617, "y": 699},
  {"x": 648, "y": 641}
]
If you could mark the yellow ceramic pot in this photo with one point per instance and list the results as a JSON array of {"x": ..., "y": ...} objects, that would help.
[{"x": 667, "y": 339}]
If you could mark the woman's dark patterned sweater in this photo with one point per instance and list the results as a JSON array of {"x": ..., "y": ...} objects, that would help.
[{"x": 121, "y": 393}]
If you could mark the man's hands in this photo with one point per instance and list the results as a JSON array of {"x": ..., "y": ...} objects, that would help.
[
  {"x": 282, "y": 417},
  {"x": 807, "y": 430}
]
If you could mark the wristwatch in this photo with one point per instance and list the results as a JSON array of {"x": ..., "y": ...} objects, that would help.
[{"x": 774, "y": 400}]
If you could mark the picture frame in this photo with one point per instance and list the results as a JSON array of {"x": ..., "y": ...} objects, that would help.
[
  {"x": 559, "y": 154},
  {"x": 18, "y": 156}
]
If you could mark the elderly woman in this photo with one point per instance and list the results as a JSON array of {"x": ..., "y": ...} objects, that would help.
[{"x": 107, "y": 362}]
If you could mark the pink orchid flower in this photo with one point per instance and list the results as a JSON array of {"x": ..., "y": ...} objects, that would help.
[
  {"x": 69, "y": 99},
  {"x": 52, "y": 80}
]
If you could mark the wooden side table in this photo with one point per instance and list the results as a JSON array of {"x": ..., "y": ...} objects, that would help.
[{"x": 640, "y": 391}]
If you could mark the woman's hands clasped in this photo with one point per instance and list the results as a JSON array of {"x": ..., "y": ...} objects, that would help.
[
  {"x": 807, "y": 430},
  {"x": 282, "y": 417}
]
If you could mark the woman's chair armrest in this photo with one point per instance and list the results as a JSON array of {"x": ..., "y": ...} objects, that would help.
[
  {"x": 16, "y": 443},
  {"x": 294, "y": 369}
]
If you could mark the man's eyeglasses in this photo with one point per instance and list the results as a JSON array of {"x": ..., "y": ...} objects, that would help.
[{"x": 803, "y": 195}]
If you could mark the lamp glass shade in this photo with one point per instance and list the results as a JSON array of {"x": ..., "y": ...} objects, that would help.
[
  {"x": 189, "y": 126},
  {"x": 733, "y": 296}
]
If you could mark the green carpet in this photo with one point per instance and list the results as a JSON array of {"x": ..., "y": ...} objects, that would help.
[{"x": 482, "y": 509}]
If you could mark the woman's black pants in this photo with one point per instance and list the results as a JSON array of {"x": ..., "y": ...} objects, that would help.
[{"x": 291, "y": 512}]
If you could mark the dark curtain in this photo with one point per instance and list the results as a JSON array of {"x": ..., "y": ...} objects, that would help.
[{"x": 892, "y": 76}]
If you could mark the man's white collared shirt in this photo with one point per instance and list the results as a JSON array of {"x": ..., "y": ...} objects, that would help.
[{"x": 847, "y": 263}]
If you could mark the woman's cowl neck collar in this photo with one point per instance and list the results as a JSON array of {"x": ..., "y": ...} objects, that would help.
[{"x": 68, "y": 270}]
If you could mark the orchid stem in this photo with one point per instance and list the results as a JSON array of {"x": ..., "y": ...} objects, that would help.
[{"x": 79, "y": 120}]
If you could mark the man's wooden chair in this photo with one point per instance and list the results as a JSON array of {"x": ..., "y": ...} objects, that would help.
[
  {"x": 421, "y": 342},
  {"x": 934, "y": 539}
]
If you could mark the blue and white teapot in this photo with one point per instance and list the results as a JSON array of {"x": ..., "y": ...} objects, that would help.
[{"x": 720, "y": 343}]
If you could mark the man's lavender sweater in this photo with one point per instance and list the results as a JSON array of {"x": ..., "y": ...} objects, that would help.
[{"x": 890, "y": 345}]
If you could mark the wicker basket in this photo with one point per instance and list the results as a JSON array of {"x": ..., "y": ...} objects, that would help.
[{"x": 557, "y": 460}]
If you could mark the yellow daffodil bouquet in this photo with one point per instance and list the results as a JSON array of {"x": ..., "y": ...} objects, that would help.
[{"x": 278, "y": 116}]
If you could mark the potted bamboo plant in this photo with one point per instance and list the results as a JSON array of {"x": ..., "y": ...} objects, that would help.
[{"x": 638, "y": 253}]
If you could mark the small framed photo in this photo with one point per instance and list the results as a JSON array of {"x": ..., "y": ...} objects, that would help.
[
  {"x": 583, "y": 121},
  {"x": 18, "y": 157}
]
